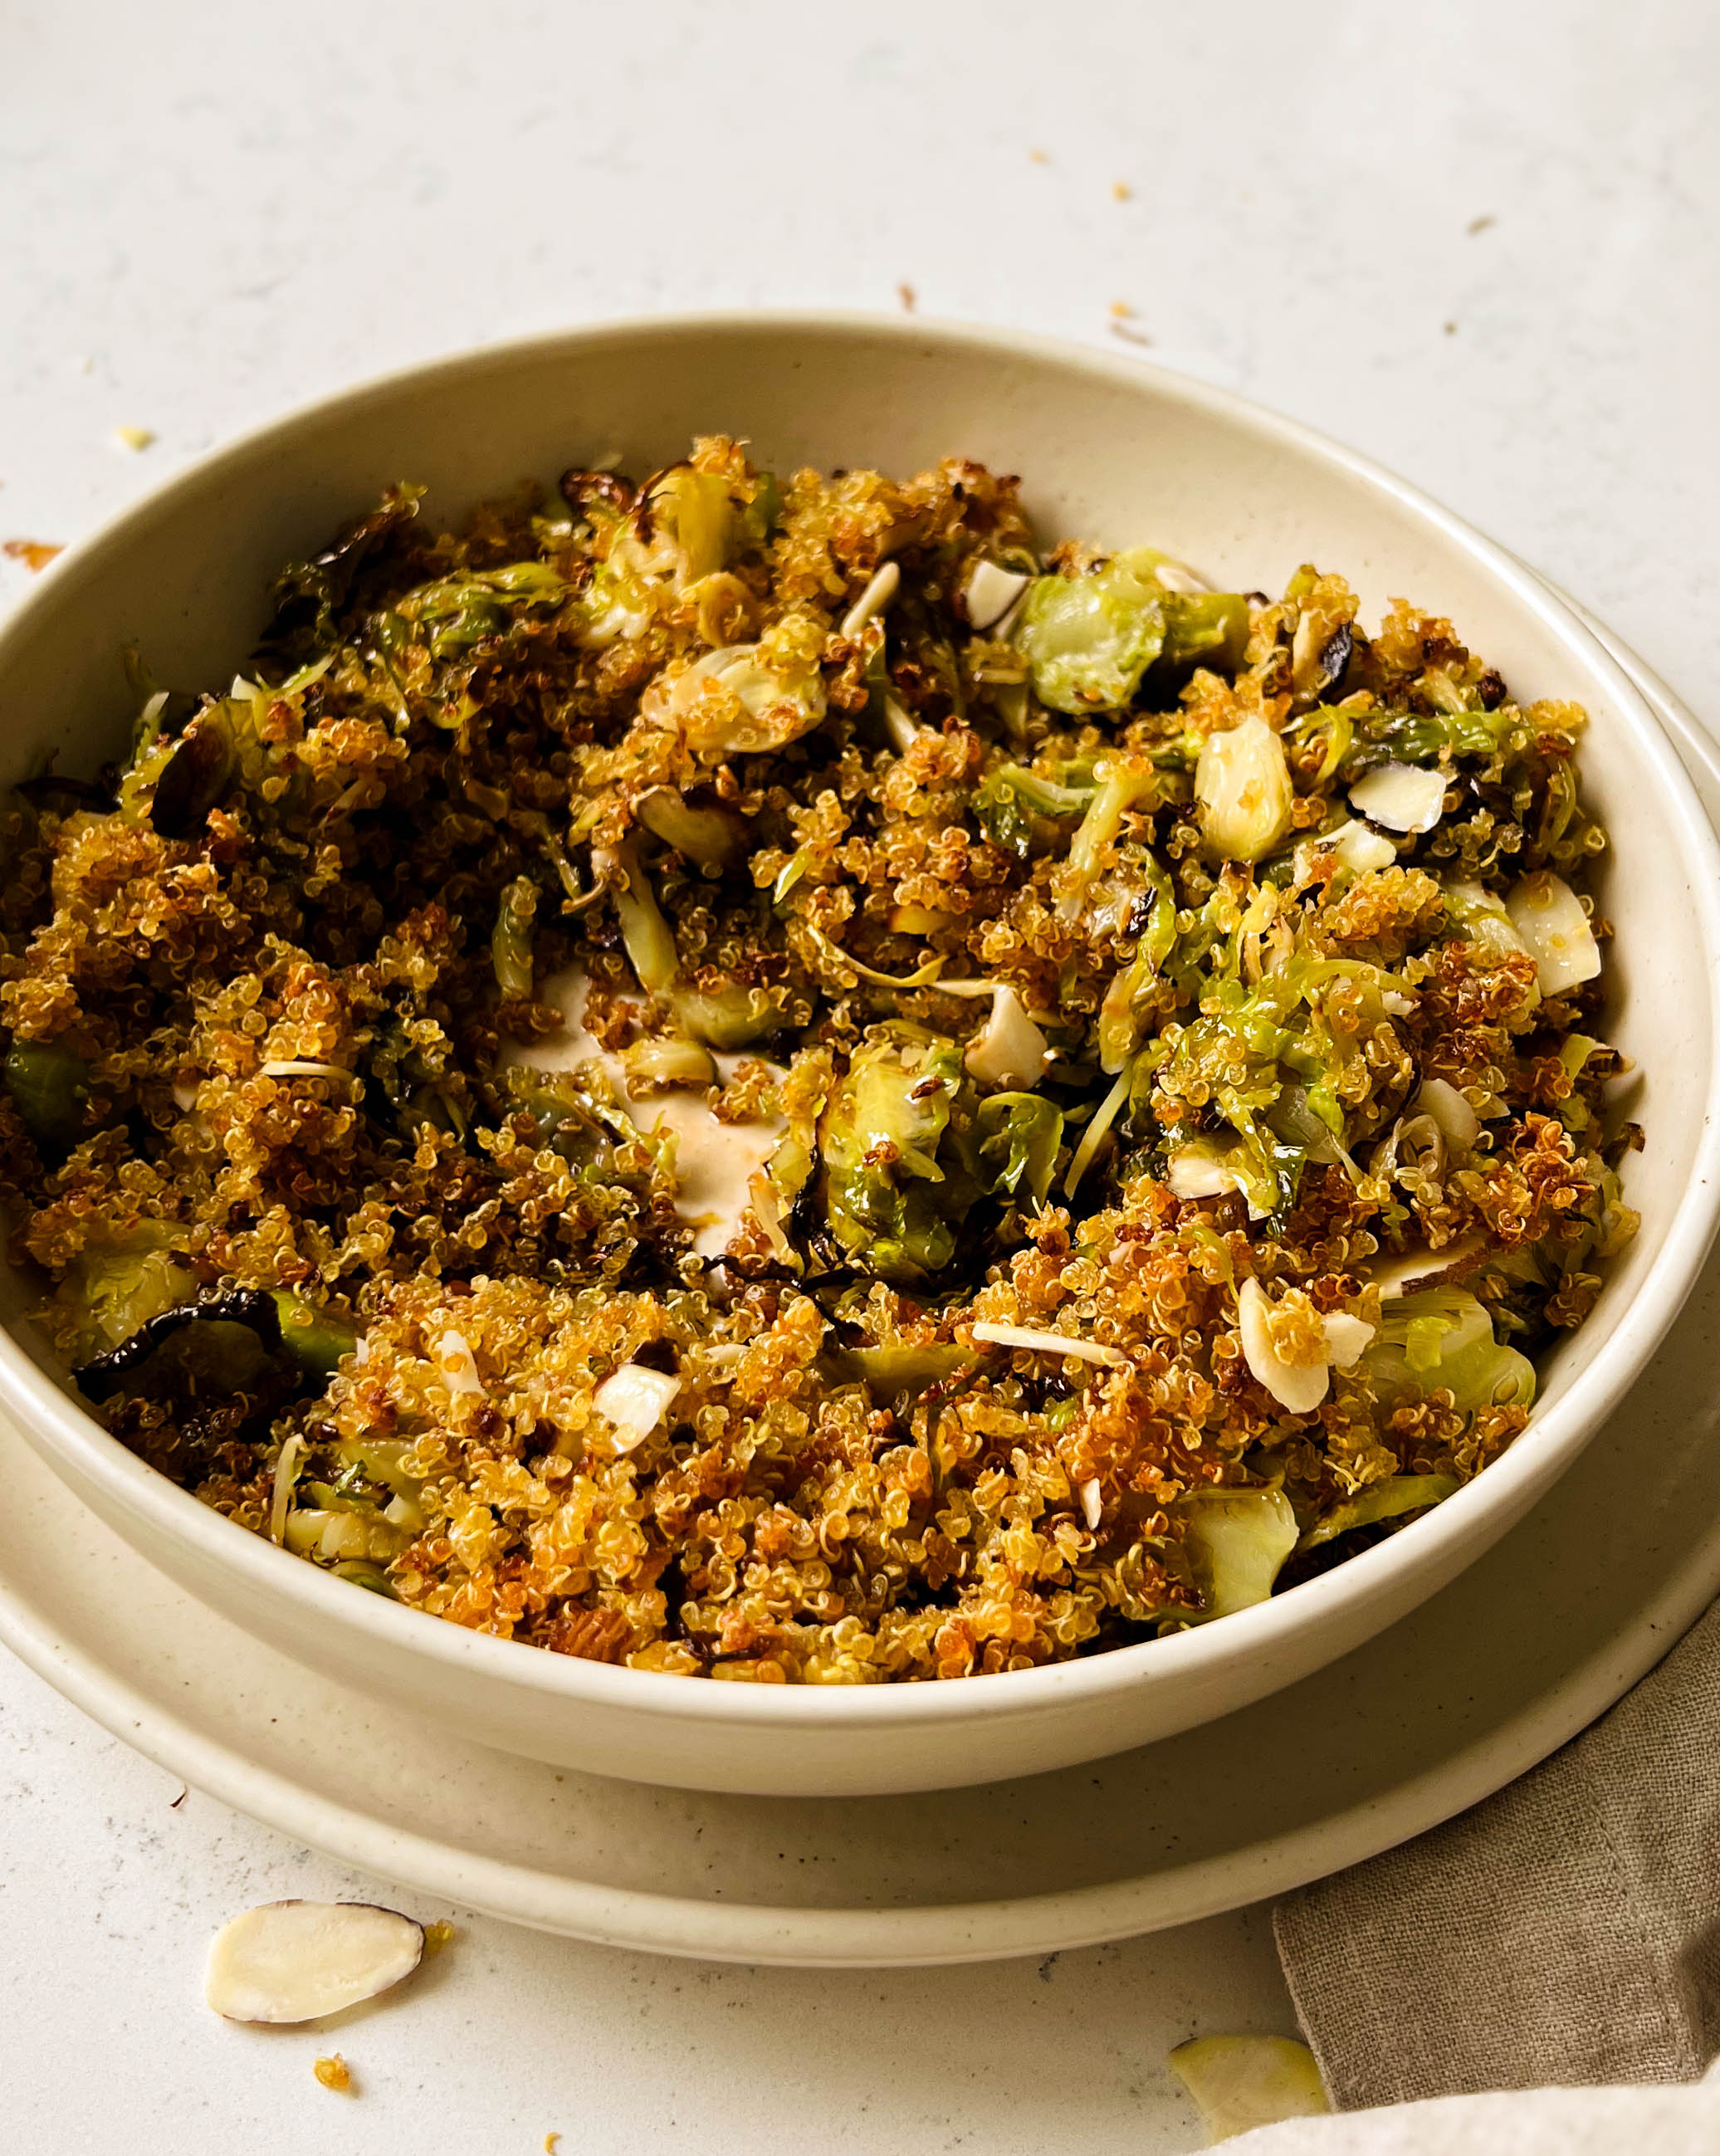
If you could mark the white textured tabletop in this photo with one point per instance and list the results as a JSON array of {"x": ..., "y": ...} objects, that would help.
[{"x": 1476, "y": 242}]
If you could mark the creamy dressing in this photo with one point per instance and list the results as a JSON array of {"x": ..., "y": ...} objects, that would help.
[{"x": 714, "y": 1161}]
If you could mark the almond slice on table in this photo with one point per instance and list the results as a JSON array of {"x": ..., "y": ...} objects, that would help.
[{"x": 297, "y": 1961}]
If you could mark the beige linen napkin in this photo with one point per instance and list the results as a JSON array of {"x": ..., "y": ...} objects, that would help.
[{"x": 1567, "y": 1931}]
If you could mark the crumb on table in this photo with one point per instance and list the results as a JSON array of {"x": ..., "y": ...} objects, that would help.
[{"x": 34, "y": 553}]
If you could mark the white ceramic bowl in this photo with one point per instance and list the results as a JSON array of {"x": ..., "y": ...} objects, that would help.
[{"x": 1112, "y": 449}]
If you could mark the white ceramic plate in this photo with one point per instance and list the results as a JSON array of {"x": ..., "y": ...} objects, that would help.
[
  {"x": 1112, "y": 449},
  {"x": 1519, "y": 1653}
]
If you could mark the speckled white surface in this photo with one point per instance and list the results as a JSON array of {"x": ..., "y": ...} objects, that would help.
[{"x": 208, "y": 213}]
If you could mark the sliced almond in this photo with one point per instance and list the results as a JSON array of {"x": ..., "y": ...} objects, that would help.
[
  {"x": 286, "y": 1470},
  {"x": 901, "y": 725},
  {"x": 458, "y": 1364},
  {"x": 1403, "y": 797},
  {"x": 1358, "y": 847},
  {"x": 1441, "y": 1099},
  {"x": 1549, "y": 915},
  {"x": 1040, "y": 1342},
  {"x": 1008, "y": 1050},
  {"x": 1298, "y": 1386},
  {"x": 990, "y": 592},
  {"x": 873, "y": 600},
  {"x": 1199, "y": 1170},
  {"x": 296, "y": 1961},
  {"x": 1346, "y": 1337},
  {"x": 1179, "y": 578},
  {"x": 634, "y": 1400}
]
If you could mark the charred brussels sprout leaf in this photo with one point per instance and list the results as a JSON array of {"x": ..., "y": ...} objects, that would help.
[
  {"x": 594, "y": 494},
  {"x": 195, "y": 775},
  {"x": 510, "y": 939},
  {"x": 727, "y": 1018},
  {"x": 763, "y": 700},
  {"x": 1243, "y": 786},
  {"x": 1425, "y": 737},
  {"x": 759, "y": 518},
  {"x": 645, "y": 936},
  {"x": 1122, "y": 1028},
  {"x": 362, "y": 1572},
  {"x": 120, "y": 1283},
  {"x": 234, "y": 1338},
  {"x": 569, "y": 1121},
  {"x": 311, "y": 597},
  {"x": 1390, "y": 1500},
  {"x": 416, "y": 1082},
  {"x": 451, "y": 615},
  {"x": 708, "y": 833},
  {"x": 1124, "y": 782},
  {"x": 1318, "y": 664},
  {"x": 889, "y": 1373},
  {"x": 693, "y": 512}
]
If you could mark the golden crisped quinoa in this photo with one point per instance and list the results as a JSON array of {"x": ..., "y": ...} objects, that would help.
[{"x": 754, "y": 1077}]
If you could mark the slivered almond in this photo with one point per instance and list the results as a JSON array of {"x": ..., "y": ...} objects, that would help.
[{"x": 297, "y": 1961}]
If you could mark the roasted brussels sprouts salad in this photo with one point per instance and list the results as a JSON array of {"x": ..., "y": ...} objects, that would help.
[{"x": 755, "y": 1075}]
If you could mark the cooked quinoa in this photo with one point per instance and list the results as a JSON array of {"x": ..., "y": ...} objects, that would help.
[{"x": 761, "y": 1078}]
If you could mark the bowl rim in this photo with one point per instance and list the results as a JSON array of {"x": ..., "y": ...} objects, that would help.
[{"x": 60, "y": 1428}]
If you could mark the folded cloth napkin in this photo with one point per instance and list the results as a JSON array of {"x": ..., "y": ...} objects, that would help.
[
  {"x": 1567, "y": 1931},
  {"x": 1658, "y": 2122}
]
